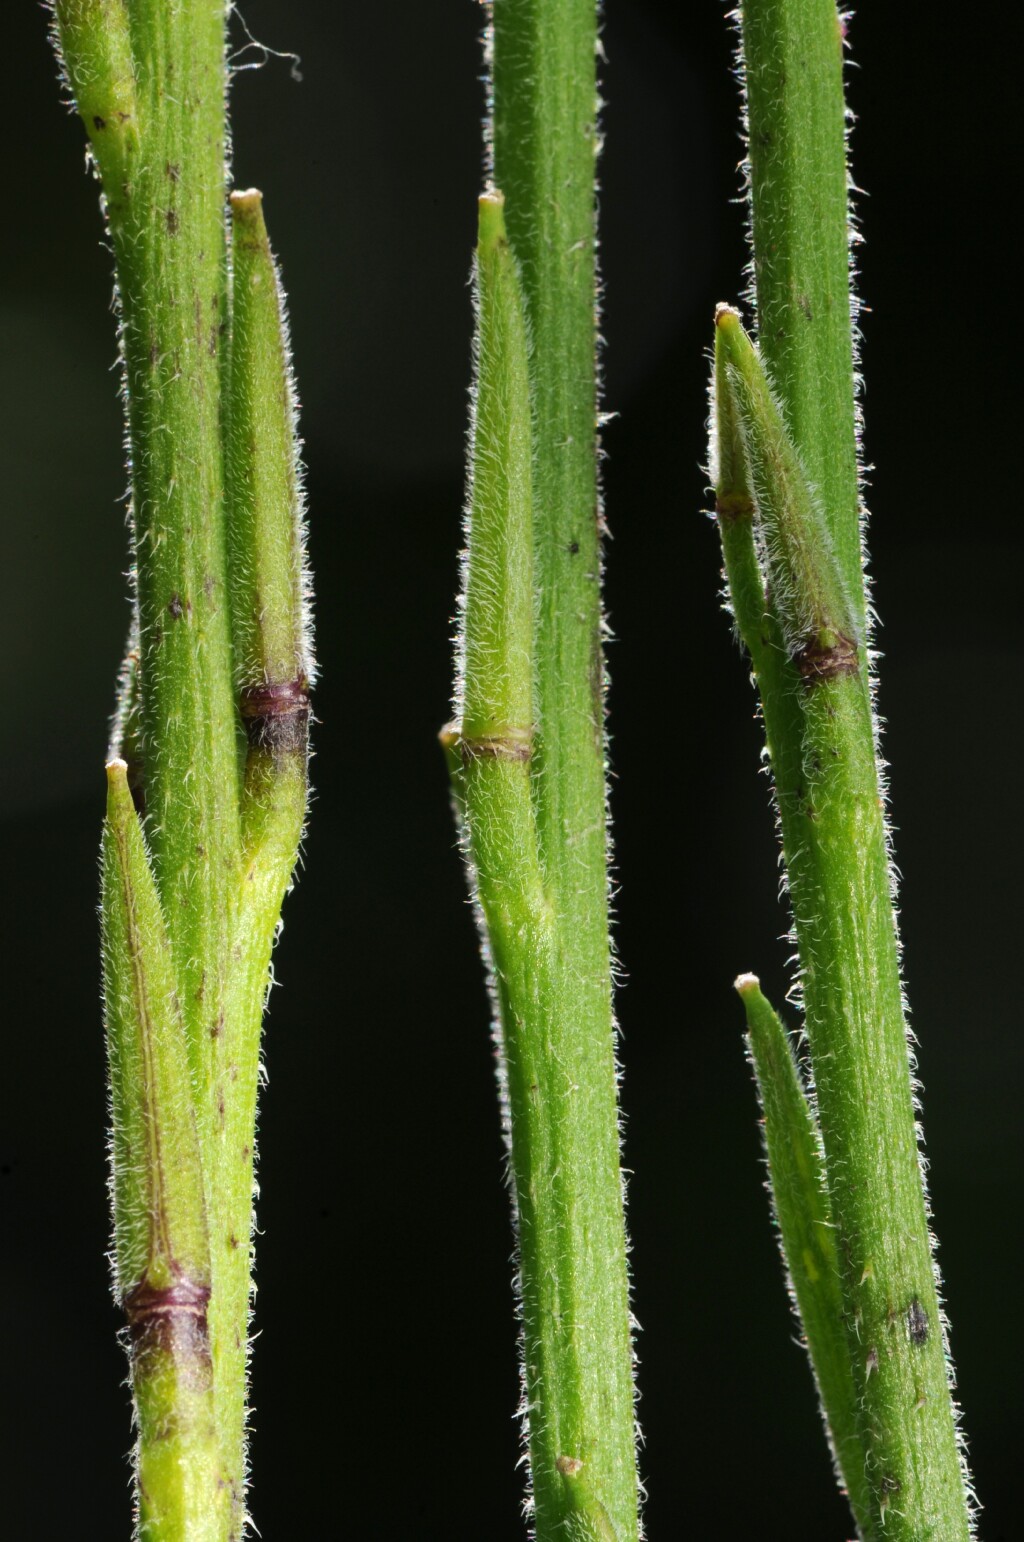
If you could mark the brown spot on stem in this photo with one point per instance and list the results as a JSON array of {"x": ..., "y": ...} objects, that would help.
[
  {"x": 171, "y": 1320},
  {"x": 276, "y": 715},
  {"x": 172, "y": 221},
  {"x": 172, "y": 171},
  {"x": 733, "y": 506},
  {"x": 98, "y": 122},
  {"x": 175, "y": 607},
  {"x": 568, "y": 1466},
  {"x": 512, "y": 744},
  {"x": 827, "y": 658},
  {"x": 918, "y": 1325}
]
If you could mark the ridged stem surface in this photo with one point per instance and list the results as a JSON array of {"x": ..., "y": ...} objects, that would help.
[
  {"x": 550, "y": 951},
  {"x": 213, "y": 715},
  {"x": 812, "y": 672}
]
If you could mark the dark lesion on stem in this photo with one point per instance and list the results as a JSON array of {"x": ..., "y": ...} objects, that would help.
[
  {"x": 734, "y": 506},
  {"x": 511, "y": 744},
  {"x": 828, "y": 655},
  {"x": 276, "y": 715},
  {"x": 169, "y": 1320}
]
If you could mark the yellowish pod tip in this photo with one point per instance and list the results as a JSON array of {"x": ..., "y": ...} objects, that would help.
[
  {"x": 250, "y": 232},
  {"x": 119, "y": 797},
  {"x": 730, "y": 337},
  {"x": 246, "y": 203},
  {"x": 491, "y": 217}
]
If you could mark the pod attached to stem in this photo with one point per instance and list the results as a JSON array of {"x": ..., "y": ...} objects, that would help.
[
  {"x": 811, "y": 668},
  {"x": 806, "y": 1236},
  {"x": 558, "y": 1106},
  {"x": 162, "y": 1252}
]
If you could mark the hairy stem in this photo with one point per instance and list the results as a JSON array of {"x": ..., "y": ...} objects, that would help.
[
  {"x": 816, "y": 700},
  {"x": 833, "y": 825},
  {"x": 214, "y": 709},
  {"x": 796, "y": 137},
  {"x": 557, "y": 1020}
]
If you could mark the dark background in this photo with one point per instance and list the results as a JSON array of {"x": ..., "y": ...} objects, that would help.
[{"x": 384, "y": 1378}]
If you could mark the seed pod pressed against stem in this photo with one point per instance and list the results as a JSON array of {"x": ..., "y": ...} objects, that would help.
[
  {"x": 791, "y": 412},
  {"x": 558, "y": 1090},
  {"x": 162, "y": 1249},
  {"x": 816, "y": 701},
  {"x": 806, "y": 1233},
  {"x": 213, "y": 716},
  {"x": 579, "y": 1398}
]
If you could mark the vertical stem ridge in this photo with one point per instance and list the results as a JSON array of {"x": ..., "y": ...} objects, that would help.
[
  {"x": 817, "y": 705},
  {"x": 544, "y": 143},
  {"x": 792, "y": 58}
]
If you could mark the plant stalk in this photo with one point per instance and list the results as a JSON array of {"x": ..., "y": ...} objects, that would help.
[
  {"x": 544, "y": 894},
  {"x": 831, "y": 812},
  {"x": 214, "y": 712},
  {"x": 812, "y": 673}
]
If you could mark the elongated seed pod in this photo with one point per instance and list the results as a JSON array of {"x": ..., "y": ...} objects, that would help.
[
  {"x": 268, "y": 578},
  {"x": 162, "y": 1255},
  {"x": 734, "y": 508},
  {"x": 558, "y": 1161},
  {"x": 497, "y": 637},
  {"x": 800, "y": 1199},
  {"x": 804, "y": 577},
  {"x": 816, "y": 700}
]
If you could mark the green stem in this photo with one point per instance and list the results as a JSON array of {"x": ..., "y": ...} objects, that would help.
[
  {"x": 832, "y": 819},
  {"x": 214, "y": 694},
  {"x": 559, "y": 1032},
  {"x": 149, "y": 81},
  {"x": 816, "y": 700},
  {"x": 796, "y": 135}
]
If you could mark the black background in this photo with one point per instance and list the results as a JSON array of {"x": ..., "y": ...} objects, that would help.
[{"x": 384, "y": 1377}]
